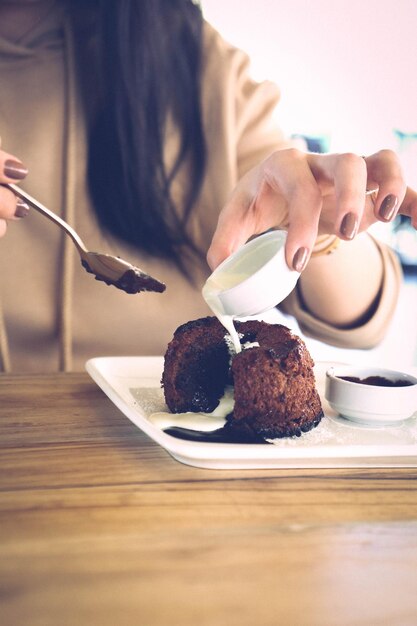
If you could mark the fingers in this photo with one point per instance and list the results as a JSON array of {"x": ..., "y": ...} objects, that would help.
[
  {"x": 348, "y": 176},
  {"x": 11, "y": 169},
  {"x": 290, "y": 175},
  {"x": 385, "y": 169},
  {"x": 409, "y": 206},
  {"x": 262, "y": 201},
  {"x": 288, "y": 191},
  {"x": 309, "y": 194},
  {"x": 233, "y": 226},
  {"x": 11, "y": 207}
]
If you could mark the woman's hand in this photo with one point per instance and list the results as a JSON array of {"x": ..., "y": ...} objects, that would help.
[
  {"x": 310, "y": 194},
  {"x": 11, "y": 208}
]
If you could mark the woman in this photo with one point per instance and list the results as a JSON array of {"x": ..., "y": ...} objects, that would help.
[{"x": 141, "y": 126}]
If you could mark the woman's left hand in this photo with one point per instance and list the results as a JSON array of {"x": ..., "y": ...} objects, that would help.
[{"x": 312, "y": 194}]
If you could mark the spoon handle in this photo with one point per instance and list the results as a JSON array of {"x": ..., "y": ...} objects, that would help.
[{"x": 49, "y": 214}]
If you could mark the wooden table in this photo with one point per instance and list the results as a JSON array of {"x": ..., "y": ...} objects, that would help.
[{"x": 99, "y": 525}]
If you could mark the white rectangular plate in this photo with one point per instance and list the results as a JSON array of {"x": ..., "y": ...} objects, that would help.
[{"x": 133, "y": 385}]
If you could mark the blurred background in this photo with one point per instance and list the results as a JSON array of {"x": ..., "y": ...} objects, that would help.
[{"x": 346, "y": 70}]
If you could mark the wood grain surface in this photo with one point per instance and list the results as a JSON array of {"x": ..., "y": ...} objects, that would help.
[{"x": 99, "y": 525}]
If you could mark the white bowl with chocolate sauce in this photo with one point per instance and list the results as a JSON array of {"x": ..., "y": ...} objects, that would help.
[
  {"x": 251, "y": 281},
  {"x": 371, "y": 396}
]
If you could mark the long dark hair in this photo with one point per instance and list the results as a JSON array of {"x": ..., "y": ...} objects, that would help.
[{"x": 149, "y": 55}]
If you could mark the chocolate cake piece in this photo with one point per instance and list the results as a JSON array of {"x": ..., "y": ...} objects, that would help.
[
  {"x": 275, "y": 393},
  {"x": 196, "y": 367}
]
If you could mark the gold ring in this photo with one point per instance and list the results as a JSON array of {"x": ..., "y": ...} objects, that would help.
[
  {"x": 325, "y": 244},
  {"x": 372, "y": 193}
]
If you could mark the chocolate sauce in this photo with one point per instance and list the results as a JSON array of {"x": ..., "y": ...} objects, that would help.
[
  {"x": 378, "y": 381},
  {"x": 132, "y": 281},
  {"x": 220, "y": 435}
]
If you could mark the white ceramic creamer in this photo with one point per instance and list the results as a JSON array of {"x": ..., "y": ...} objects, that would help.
[{"x": 251, "y": 281}]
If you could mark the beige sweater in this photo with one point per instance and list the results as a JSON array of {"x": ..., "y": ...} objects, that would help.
[{"x": 55, "y": 315}]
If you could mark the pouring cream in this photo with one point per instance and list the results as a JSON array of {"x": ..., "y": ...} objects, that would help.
[
  {"x": 251, "y": 281},
  {"x": 214, "y": 285}
]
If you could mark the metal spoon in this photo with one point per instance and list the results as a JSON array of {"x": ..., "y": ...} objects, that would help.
[{"x": 110, "y": 269}]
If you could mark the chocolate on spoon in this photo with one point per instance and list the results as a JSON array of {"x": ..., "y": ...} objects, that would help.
[{"x": 112, "y": 270}]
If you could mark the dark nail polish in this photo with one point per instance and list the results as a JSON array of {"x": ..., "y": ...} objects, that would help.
[
  {"x": 387, "y": 209},
  {"x": 15, "y": 169},
  {"x": 349, "y": 226},
  {"x": 22, "y": 209},
  {"x": 300, "y": 259}
]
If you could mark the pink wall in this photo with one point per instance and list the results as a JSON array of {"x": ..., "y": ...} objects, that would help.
[{"x": 346, "y": 68}]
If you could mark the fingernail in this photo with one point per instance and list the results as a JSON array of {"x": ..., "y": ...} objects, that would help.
[
  {"x": 300, "y": 259},
  {"x": 15, "y": 169},
  {"x": 349, "y": 226},
  {"x": 22, "y": 209},
  {"x": 387, "y": 209}
]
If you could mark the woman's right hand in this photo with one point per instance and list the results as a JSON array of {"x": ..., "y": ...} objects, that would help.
[
  {"x": 11, "y": 208},
  {"x": 311, "y": 194}
]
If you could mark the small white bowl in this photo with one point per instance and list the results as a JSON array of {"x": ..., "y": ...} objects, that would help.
[
  {"x": 371, "y": 404},
  {"x": 254, "y": 279}
]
